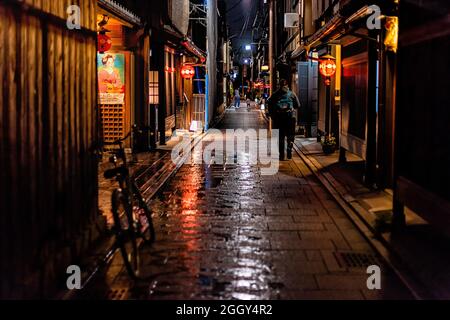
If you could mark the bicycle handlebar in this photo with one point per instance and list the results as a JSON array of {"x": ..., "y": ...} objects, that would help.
[
  {"x": 118, "y": 141},
  {"x": 98, "y": 147},
  {"x": 134, "y": 130}
]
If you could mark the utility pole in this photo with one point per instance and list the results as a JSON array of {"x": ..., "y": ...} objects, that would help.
[{"x": 211, "y": 62}]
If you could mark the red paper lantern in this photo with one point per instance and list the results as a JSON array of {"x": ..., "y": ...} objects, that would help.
[
  {"x": 104, "y": 42},
  {"x": 327, "y": 66},
  {"x": 187, "y": 72}
]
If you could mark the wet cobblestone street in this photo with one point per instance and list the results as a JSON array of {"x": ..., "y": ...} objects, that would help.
[{"x": 228, "y": 232}]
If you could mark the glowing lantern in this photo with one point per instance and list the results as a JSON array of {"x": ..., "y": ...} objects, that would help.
[
  {"x": 104, "y": 42},
  {"x": 195, "y": 126},
  {"x": 327, "y": 65},
  {"x": 187, "y": 72}
]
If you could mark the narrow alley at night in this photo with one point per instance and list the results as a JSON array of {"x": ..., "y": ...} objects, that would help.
[
  {"x": 228, "y": 232},
  {"x": 250, "y": 150}
]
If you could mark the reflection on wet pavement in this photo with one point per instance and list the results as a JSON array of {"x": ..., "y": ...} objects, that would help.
[{"x": 228, "y": 232}]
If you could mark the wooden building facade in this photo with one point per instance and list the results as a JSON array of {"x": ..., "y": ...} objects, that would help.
[
  {"x": 48, "y": 125},
  {"x": 422, "y": 145},
  {"x": 392, "y": 99},
  {"x": 121, "y": 72},
  {"x": 357, "y": 107},
  {"x": 60, "y": 96}
]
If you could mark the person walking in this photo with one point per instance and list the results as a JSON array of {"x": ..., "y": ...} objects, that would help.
[
  {"x": 237, "y": 99},
  {"x": 249, "y": 100},
  {"x": 282, "y": 110}
]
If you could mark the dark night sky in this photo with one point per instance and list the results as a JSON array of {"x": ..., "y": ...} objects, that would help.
[{"x": 240, "y": 19}]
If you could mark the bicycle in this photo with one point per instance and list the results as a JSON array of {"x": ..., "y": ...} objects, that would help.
[{"x": 131, "y": 214}]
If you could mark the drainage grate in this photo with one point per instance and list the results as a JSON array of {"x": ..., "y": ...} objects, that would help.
[{"x": 357, "y": 259}]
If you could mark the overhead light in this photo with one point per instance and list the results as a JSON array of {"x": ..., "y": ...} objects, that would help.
[{"x": 248, "y": 47}]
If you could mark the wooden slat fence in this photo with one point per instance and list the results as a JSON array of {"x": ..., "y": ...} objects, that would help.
[{"x": 48, "y": 123}]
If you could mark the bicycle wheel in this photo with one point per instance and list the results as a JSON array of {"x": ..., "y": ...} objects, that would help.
[
  {"x": 144, "y": 223},
  {"x": 143, "y": 217},
  {"x": 125, "y": 232}
]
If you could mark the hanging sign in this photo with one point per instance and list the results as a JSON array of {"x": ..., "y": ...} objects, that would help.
[
  {"x": 391, "y": 38},
  {"x": 291, "y": 20},
  {"x": 111, "y": 80}
]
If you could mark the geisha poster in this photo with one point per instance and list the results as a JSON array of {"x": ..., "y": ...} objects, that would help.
[{"x": 111, "y": 80}]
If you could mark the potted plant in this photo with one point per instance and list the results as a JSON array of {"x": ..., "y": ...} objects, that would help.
[{"x": 328, "y": 144}]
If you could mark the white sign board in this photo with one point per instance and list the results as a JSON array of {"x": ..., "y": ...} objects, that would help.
[{"x": 291, "y": 20}]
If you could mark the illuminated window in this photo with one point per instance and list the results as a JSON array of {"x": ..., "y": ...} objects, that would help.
[{"x": 153, "y": 87}]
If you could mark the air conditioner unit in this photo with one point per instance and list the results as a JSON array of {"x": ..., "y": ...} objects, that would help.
[{"x": 291, "y": 20}]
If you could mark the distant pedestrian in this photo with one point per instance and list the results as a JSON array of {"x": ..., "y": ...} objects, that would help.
[
  {"x": 249, "y": 101},
  {"x": 282, "y": 110},
  {"x": 237, "y": 98}
]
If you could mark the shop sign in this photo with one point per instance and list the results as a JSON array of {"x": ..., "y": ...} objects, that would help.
[
  {"x": 391, "y": 38},
  {"x": 291, "y": 20}
]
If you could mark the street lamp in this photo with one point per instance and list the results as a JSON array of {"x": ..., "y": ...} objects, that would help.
[{"x": 248, "y": 47}]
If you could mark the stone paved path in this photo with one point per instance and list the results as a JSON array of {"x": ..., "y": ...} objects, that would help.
[{"x": 228, "y": 232}]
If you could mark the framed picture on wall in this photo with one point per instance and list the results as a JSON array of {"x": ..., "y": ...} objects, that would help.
[{"x": 111, "y": 78}]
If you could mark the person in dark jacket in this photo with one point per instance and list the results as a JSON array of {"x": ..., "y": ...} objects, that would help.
[
  {"x": 237, "y": 99},
  {"x": 282, "y": 110}
]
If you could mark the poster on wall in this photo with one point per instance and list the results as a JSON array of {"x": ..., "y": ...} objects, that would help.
[{"x": 111, "y": 79}]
